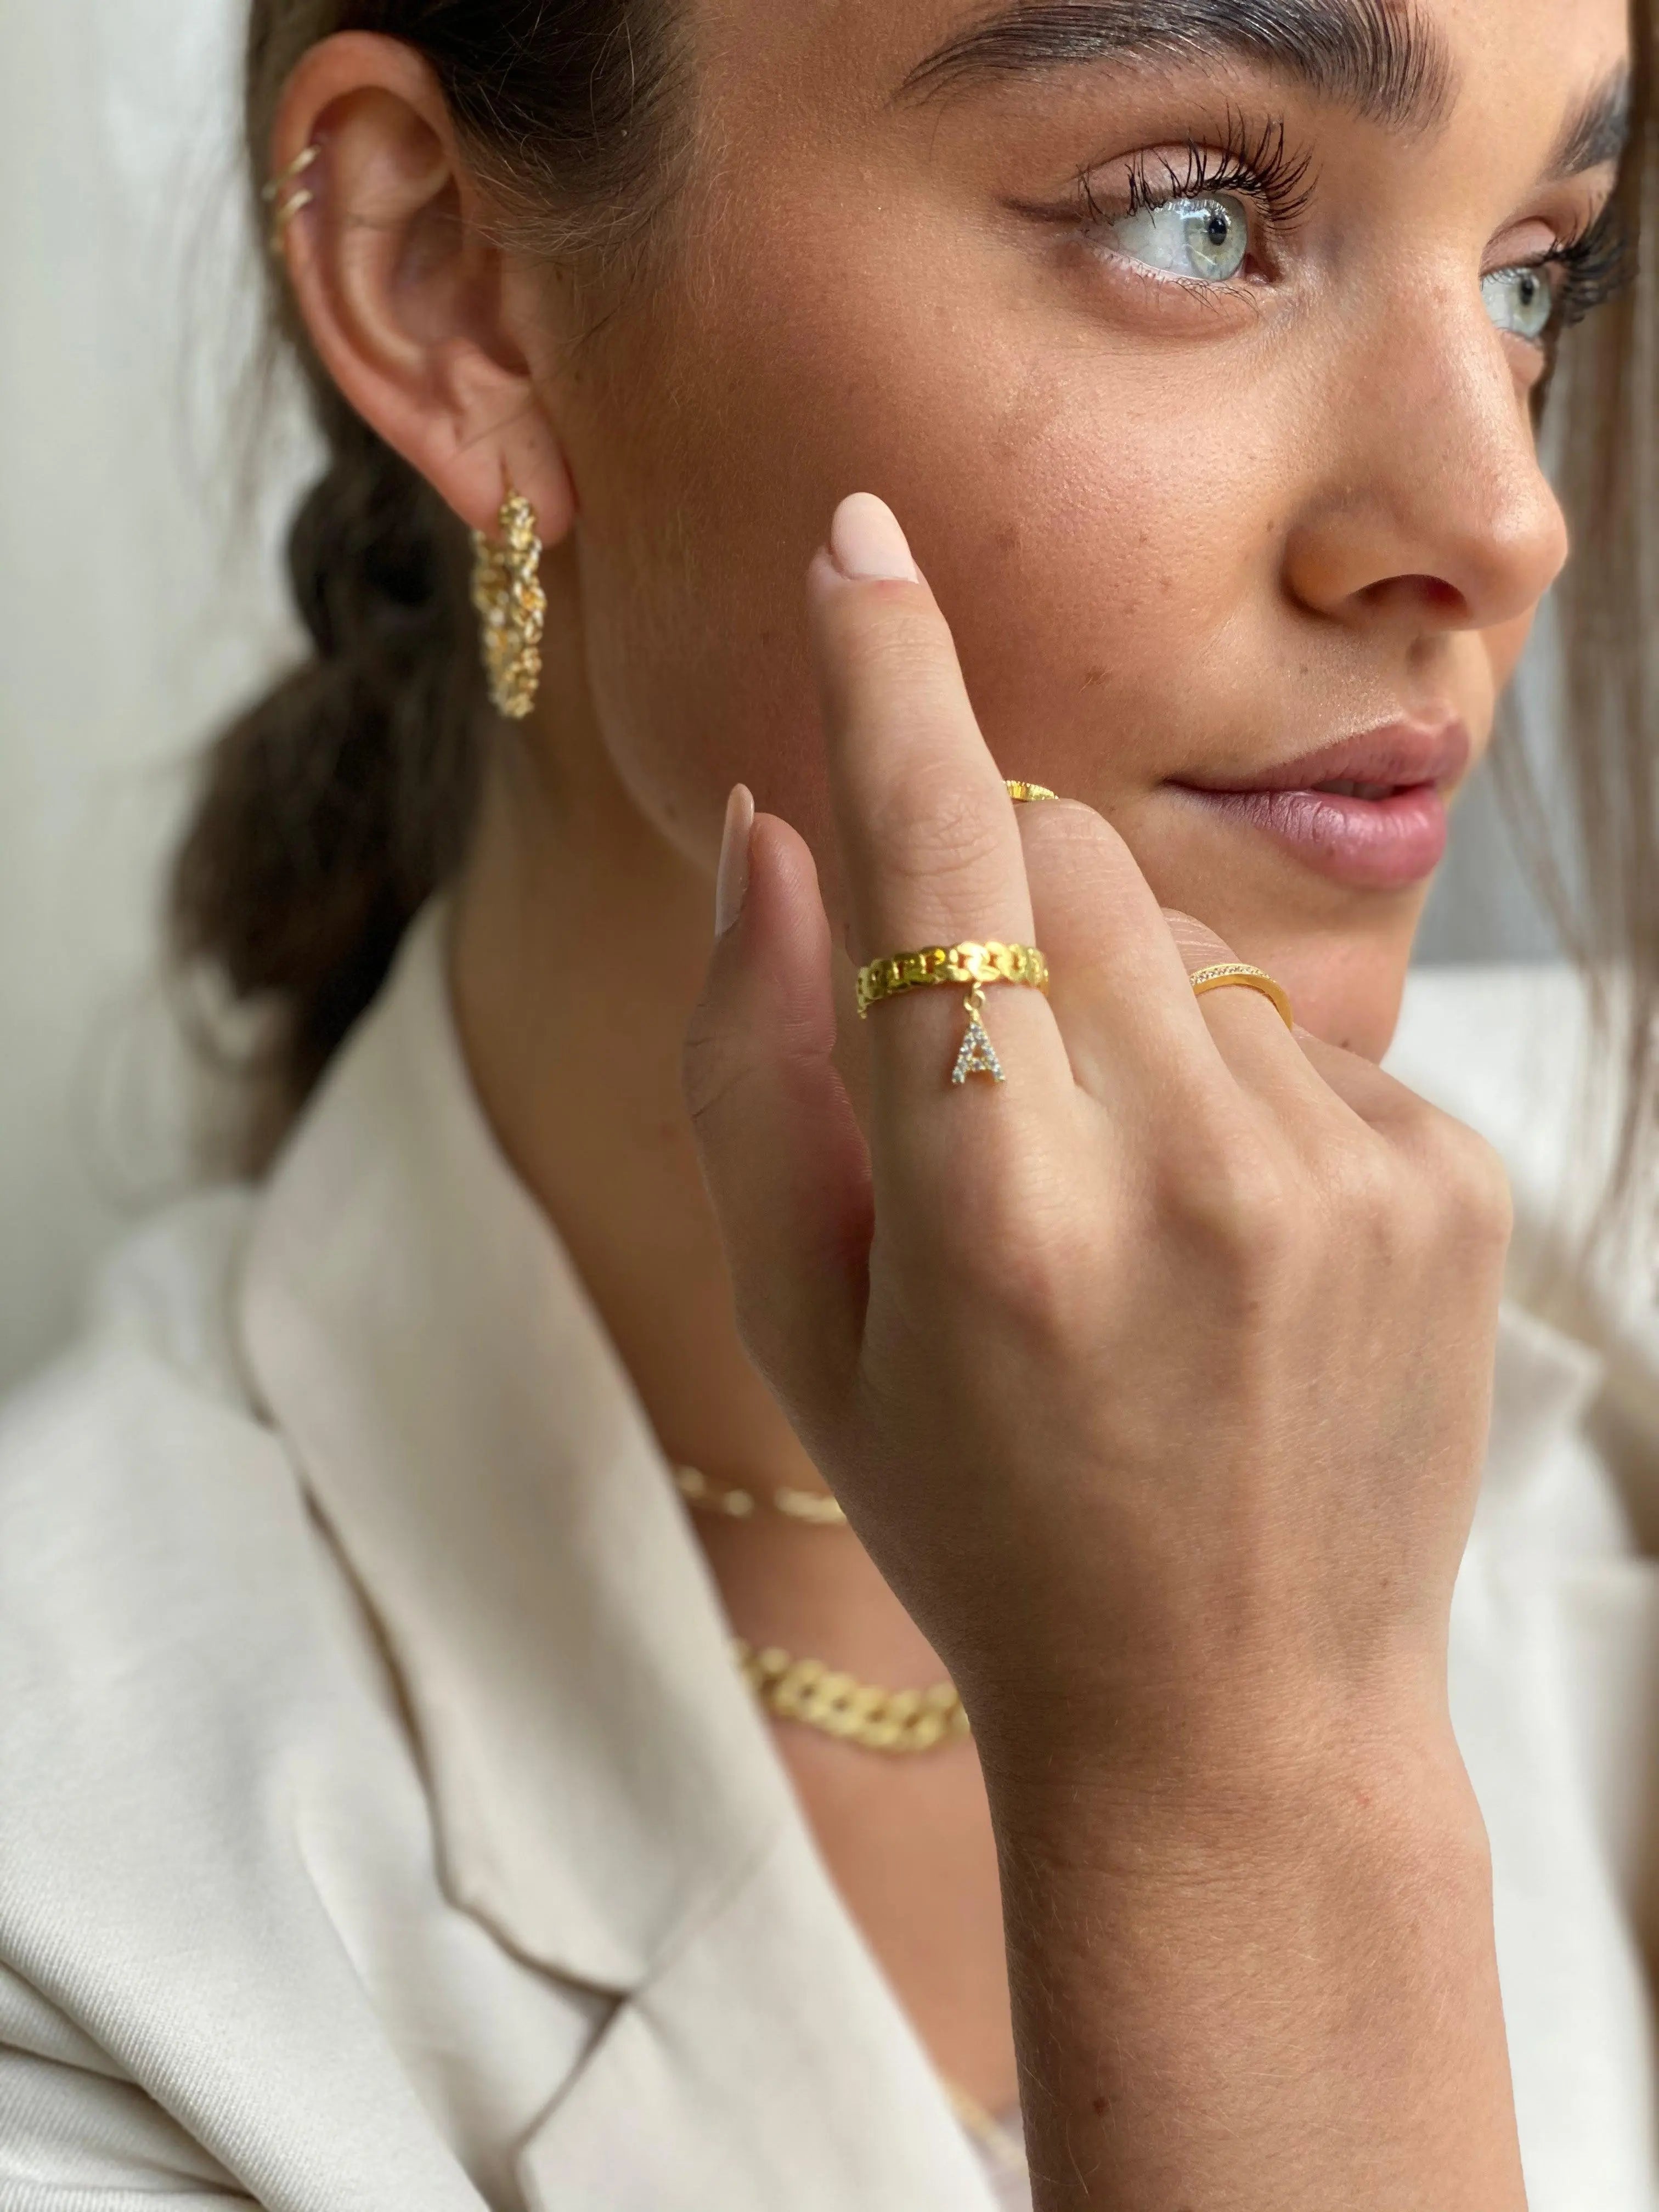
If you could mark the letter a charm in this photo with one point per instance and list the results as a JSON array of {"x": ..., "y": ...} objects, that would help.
[{"x": 978, "y": 1054}]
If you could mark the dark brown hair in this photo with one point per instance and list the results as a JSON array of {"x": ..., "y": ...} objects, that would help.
[{"x": 331, "y": 809}]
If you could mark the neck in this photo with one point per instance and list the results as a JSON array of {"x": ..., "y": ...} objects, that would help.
[{"x": 580, "y": 937}]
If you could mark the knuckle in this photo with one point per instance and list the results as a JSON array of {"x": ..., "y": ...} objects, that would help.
[
  {"x": 1196, "y": 942},
  {"x": 1236, "y": 1194},
  {"x": 1028, "y": 1252},
  {"x": 953, "y": 832},
  {"x": 1470, "y": 1183},
  {"x": 1363, "y": 1175},
  {"x": 899, "y": 652},
  {"x": 716, "y": 1063}
]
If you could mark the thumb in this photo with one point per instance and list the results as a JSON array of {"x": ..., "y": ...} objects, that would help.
[{"x": 782, "y": 1155}]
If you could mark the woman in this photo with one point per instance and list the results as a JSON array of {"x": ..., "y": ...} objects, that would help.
[{"x": 385, "y": 1820}]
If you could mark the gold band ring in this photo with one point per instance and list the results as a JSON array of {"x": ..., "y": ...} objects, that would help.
[
  {"x": 1227, "y": 973},
  {"x": 1025, "y": 794},
  {"x": 974, "y": 964}
]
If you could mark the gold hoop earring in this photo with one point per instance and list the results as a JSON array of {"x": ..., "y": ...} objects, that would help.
[{"x": 506, "y": 591}]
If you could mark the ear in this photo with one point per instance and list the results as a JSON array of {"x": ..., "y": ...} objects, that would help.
[{"x": 406, "y": 295}]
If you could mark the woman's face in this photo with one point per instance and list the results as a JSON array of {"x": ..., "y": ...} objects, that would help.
[{"x": 1194, "y": 343}]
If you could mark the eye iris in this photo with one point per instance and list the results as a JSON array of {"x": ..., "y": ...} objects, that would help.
[
  {"x": 1520, "y": 300},
  {"x": 1216, "y": 237},
  {"x": 1206, "y": 237}
]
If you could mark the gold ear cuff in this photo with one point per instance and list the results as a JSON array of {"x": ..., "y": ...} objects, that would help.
[{"x": 284, "y": 210}]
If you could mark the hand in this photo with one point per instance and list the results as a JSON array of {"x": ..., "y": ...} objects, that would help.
[{"x": 1155, "y": 1379}]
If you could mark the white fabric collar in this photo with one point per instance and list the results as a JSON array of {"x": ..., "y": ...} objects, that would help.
[{"x": 467, "y": 1431}]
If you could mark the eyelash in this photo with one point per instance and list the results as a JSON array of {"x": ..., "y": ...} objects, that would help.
[
  {"x": 1254, "y": 163},
  {"x": 1591, "y": 269}
]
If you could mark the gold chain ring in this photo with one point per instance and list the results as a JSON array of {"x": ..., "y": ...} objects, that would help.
[
  {"x": 978, "y": 964},
  {"x": 971, "y": 963}
]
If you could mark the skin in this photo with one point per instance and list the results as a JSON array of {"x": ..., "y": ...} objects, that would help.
[{"x": 1171, "y": 537}]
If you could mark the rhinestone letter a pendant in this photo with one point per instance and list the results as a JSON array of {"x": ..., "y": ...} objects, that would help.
[{"x": 978, "y": 1055}]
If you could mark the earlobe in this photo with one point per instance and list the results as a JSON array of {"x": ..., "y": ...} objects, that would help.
[{"x": 401, "y": 285}]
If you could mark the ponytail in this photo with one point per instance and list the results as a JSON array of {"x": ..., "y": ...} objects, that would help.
[
  {"x": 333, "y": 808},
  {"x": 329, "y": 811}
]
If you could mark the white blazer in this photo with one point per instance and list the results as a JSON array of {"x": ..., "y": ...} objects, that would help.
[{"x": 383, "y": 1827}]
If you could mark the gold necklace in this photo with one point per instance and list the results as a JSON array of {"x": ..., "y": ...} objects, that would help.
[
  {"x": 898, "y": 1722},
  {"x": 1002, "y": 2148},
  {"x": 816, "y": 1507}
]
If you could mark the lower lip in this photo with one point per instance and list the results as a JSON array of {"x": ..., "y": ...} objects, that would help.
[{"x": 1378, "y": 844}]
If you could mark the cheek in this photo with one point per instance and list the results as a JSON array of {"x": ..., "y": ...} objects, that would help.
[{"x": 1094, "y": 535}]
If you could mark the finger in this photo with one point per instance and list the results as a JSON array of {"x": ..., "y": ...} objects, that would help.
[
  {"x": 1132, "y": 1027},
  {"x": 929, "y": 847},
  {"x": 1388, "y": 1104},
  {"x": 1250, "y": 1031},
  {"x": 1123, "y": 967},
  {"x": 782, "y": 1153}
]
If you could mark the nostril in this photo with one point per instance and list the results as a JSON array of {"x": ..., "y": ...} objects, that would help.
[{"x": 1424, "y": 594}]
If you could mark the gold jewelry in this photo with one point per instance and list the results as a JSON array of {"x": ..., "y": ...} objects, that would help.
[
  {"x": 506, "y": 591},
  {"x": 978, "y": 964},
  {"x": 898, "y": 1722},
  {"x": 1228, "y": 973},
  {"x": 1001, "y": 2147},
  {"x": 272, "y": 194},
  {"x": 817, "y": 1507},
  {"x": 1026, "y": 793}
]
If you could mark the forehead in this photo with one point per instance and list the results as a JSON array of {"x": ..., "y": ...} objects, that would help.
[{"x": 1405, "y": 62}]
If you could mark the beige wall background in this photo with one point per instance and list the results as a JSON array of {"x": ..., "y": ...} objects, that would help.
[{"x": 139, "y": 598}]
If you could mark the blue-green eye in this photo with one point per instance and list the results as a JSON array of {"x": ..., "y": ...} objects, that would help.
[
  {"x": 1520, "y": 300},
  {"x": 1205, "y": 238}
]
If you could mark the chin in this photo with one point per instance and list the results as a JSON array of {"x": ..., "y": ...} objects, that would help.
[
  {"x": 1343, "y": 959},
  {"x": 1351, "y": 1002}
]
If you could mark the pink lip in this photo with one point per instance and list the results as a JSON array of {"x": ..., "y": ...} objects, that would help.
[{"x": 1377, "y": 843}]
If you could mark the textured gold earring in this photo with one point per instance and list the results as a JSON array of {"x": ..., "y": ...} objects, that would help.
[{"x": 507, "y": 590}]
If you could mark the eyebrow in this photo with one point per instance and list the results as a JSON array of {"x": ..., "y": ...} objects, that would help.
[
  {"x": 1596, "y": 131},
  {"x": 1380, "y": 59}
]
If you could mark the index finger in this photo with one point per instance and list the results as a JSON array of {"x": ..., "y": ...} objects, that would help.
[{"x": 931, "y": 851}]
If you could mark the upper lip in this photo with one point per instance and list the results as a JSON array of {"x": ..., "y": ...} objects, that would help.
[{"x": 1399, "y": 755}]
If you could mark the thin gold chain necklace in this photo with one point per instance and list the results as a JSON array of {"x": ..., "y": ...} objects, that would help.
[
  {"x": 1002, "y": 2148},
  {"x": 817, "y": 1508},
  {"x": 810, "y": 1691}
]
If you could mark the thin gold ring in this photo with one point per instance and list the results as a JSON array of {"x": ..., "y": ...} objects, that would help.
[
  {"x": 1026, "y": 794},
  {"x": 1228, "y": 973}
]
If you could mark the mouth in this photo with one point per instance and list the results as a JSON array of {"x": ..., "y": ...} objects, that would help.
[{"x": 1368, "y": 810}]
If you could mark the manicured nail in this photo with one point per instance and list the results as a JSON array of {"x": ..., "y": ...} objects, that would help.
[
  {"x": 867, "y": 543},
  {"x": 732, "y": 883}
]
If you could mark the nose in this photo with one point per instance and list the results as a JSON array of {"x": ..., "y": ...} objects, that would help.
[{"x": 1431, "y": 511}]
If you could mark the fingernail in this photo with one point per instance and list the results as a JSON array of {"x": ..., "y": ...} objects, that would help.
[
  {"x": 732, "y": 882},
  {"x": 867, "y": 543}
]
